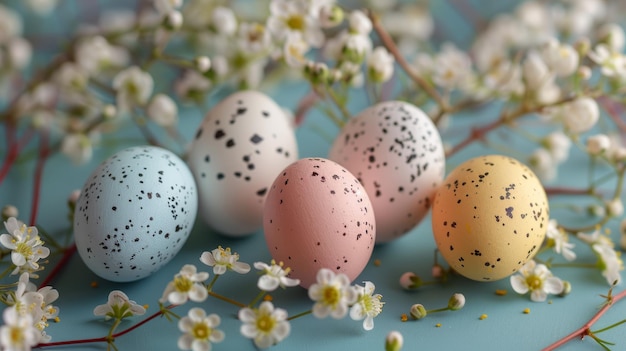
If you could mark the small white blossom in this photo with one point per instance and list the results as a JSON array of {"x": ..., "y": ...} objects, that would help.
[
  {"x": 456, "y": 302},
  {"x": 266, "y": 325},
  {"x": 192, "y": 85},
  {"x": 542, "y": 164},
  {"x": 71, "y": 76},
  {"x": 537, "y": 279},
  {"x": 359, "y": 23},
  {"x": 25, "y": 245},
  {"x": 330, "y": 15},
  {"x": 119, "y": 306},
  {"x": 612, "y": 63},
  {"x": 162, "y": 110},
  {"x": 95, "y": 54},
  {"x": 609, "y": 262},
  {"x": 367, "y": 306},
  {"x": 203, "y": 63},
  {"x": 199, "y": 330},
  {"x": 186, "y": 286},
  {"x": 224, "y": 20},
  {"x": 18, "y": 332},
  {"x": 292, "y": 18},
  {"x": 580, "y": 115},
  {"x": 452, "y": 68},
  {"x": 613, "y": 36},
  {"x": 9, "y": 211},
  {"x": 332, "y": 294},
  {"x": 222, "y": 260},
  {"x": 380, "y": 65},
  {"x": 19, "y": 52},
  {"x": 615, "y": 207},
  {"x": 78, "y": 147},
  {"x": 355, "y": 48},
  {"x": 10, "y": 24},
  {"x": 595, "y": 237},
  {"x": 274, "y": 276},
  {"x": 558, "y": 144},
  {"x": 294, "y": 50},
  {"x": 253, "y": 38},
  {"x": 173, "y": 21},
  {"x": 562, "y": 59},
  {"x": 133, "y": 87},
  {"x": 560, "y": 241},
  {"x": 598, "y": 144}
]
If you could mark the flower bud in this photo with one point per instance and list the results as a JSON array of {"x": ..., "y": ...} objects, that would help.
[
  {"x": 456, "y": 302},
  {"x": 614, "y": 207},
  {"x": 567, "y": 288},
  {"x": 203, "y": 63},
  {"x": 437, "y": 271},
  {"x": 418, "y": 311},
  {"x": 598, "y": 144},
  {"x": 173, "y": 20},
  {"x": 394, "y": 341},
  {"x": 331, "y": 16},
  {"x": 316, "y": 72},
  {"x": 410, "y": 281},
  {"x": 109, "y": 111},
  {"x": 9, "y": 211}
]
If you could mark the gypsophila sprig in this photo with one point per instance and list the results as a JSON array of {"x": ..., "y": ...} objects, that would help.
[
  {"x": 186, "y": 286},
  {"x": 332, "y": 294},
  {"x": 265, "y": 325},
  {"x": 222, "y": 260}
]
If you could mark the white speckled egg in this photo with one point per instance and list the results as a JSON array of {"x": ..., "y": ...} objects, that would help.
[
  {"x": 239, "y": 149},
  {"x": 134, "y": 213},
  {"x": 490, "y": 217},
  {"x": 317, "y": 215},
  {"x": 396, "y": 152}
]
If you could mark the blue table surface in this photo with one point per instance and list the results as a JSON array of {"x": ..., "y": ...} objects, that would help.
[{"x": 506, "y": 326}]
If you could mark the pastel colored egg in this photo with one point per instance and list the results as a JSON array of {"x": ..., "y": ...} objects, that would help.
[
  {"x": 490, "y": 217},
  {"x": 317, "y": 215},
  {"x": 240, "y": 147},
  {"x": 396, "y": 152},
  {"x": 134, "y": 213}
]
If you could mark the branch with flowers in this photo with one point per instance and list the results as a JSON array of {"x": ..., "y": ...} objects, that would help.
[{"x": 548, "y": 73}]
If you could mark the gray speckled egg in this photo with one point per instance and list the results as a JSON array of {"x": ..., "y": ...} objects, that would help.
[
  {"x": 490, "y": 217},
  {"x": 396, "y": 152},
  {"x": 239, "y": 149},
  {"x": 134, "y": 213}
]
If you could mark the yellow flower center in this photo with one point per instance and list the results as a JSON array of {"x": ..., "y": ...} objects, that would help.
[
  {"x": 295, "y": 22},
  {"x": 331, "y": 295},
  {"x": 201, "y": 331},
  {"x": 24, "y": 249},
  {"x": 534, "y": 282},
  {"x": 16, "y": 335},
  {"x": 182, "y": 283},
  {"x": 265, "y": 323}
]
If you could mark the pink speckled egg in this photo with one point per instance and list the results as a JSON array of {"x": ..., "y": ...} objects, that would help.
[{"x": 317, "y": 215}]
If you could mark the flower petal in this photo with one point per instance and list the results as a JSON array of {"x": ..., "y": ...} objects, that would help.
[
  {"x": 553, "y": 285},
  {"x": 518, "y": 283},
  {"x": 268, "y": 283}
]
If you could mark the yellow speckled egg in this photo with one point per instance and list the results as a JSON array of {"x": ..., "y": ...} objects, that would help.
[{"x": 489, "y": 217}]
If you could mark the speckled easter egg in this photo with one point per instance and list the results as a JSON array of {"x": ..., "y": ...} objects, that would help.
[
  {"x": 395, "y": 151},
  {"x": 490, "y": 217},
  {"x": 239, "y": 149},
  {"x": 317, "y": 215},
  {"x": 134, "y": 213}
]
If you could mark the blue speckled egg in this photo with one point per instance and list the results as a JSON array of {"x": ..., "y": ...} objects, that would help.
[{"x": 134, "y": 213}]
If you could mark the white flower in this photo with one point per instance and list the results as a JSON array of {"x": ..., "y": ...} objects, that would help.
[
  {"x": 359, "y": 23},
  {"x": 25, "y": 245},
  {"x": 355, "y": 48},
  {"x": 222, "y": 259},
  {"x": 173, "y": 21},
  {"x": 294, "y": 50},
  {"x": 615, "y": 207},
  {"x": 266, "y": 325},
  {"x": 452, "y": 68},
  {"x": 560, "y": 241},
  {"x": 253, "y": 38},
  {"x": 332, "y": 294},
  {"x": 224, "y": 20},
  {"x": 558, "y": 144},
  {"x": 71, "y": 76},
  {"x": 274, "y": 276},
  {"x": 367, "y": 306},
  {"x": 562, "y": 59},
  {"x": 18, "y": 332},
  {"x": 595, "y": 237},
  {"x": 598, "y": 144},
  {"x": 536, "y": 72},
  {"x": 613, "y": 35},
  {"x": 19, "y": 52},
  {"x": 380, "y": 65},
  {"x": 537, "y": 279},
  {"x": 542, "y": 164},
  {"x": 612, "y": 63},
  {"x": 133, "y": 86},
  {"x": 609, "y": 262},
  {"x": 580, "y": 115},
  {"x": 167, "y": 6},
  {"x": 95, "y": 54},
  {"x": 186, "y": 286},
  {"x": 42, "y": 7},
  {"x": 200, "y": 330},
  {"x": 162, "y": 110},
  {"x": 292, "y": 17},
  {"x": 78, "y": 147},
  {"x": 192, "y": 85},
  {"x": 10, "y": 24},
  {"x": 118, "y": 307}
]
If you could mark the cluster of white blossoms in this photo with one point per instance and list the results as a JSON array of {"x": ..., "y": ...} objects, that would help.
[{"x": 265, "y": 324}]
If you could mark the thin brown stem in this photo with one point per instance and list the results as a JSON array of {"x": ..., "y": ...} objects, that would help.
[
  {"x": 585, "y": 329},
  {"x": 67, "y": 254}
]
